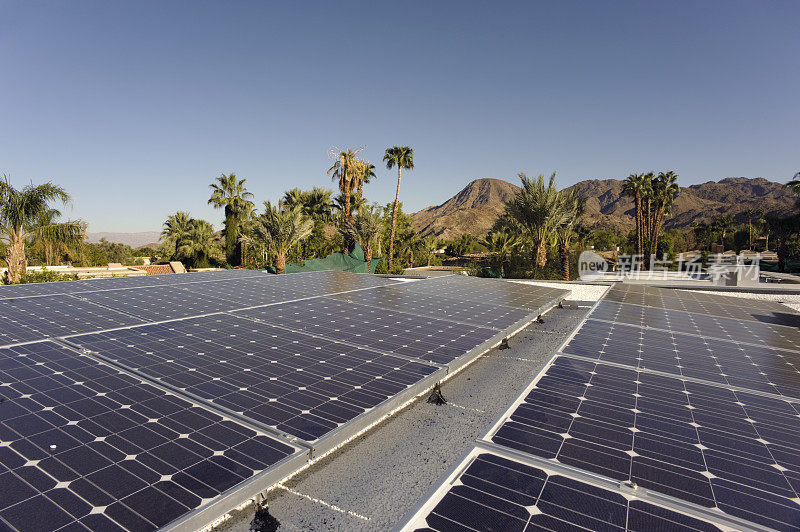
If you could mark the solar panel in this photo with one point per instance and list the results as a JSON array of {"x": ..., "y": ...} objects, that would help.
[
  {"x": 417, "y": 337},
  {"x": 709, "y": 445},
  {"x": 709, "y": 304},
  {"x": 84, "y": 446},
  {"x": 735, "y": 364},
  {"x": 158, "y": 303},
  {"x": 397, "y": 299},
  {"x": 750, "y": 332},
  {"x": 488, "y": 291},
  {"x": 247, "y": 292},
  {"x": 290, "y": 381},
  {"x": 488, "y": 491},
  {"x": 37, "y": 318}
]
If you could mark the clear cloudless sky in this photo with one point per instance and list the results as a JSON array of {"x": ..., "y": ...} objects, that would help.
[{"x": 135, "y": 107}]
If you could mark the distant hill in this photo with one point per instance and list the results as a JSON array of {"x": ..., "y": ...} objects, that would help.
[
  {"x": 474, "y": 209},
  {"x": 134, "y": 240}
]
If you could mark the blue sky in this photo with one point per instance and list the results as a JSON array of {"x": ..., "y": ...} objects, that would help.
[{"x": 135, "y": 107}]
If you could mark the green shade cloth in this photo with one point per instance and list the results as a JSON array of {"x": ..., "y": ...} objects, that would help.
[{"x": 346, "y": 262}]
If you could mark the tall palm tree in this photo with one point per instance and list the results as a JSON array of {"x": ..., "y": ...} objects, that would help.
[
  {"x": 345, "y": 171},
  {"x": 501, "y": 244},
  {"x": 538, "y": 208},
  {"x": 197, "y": 245},
  {"x": 573, "y": 206},
  {"x": 401, "y": 157},
  {"x": 366, "y": 172},
  {"x": 278, "y": 228},
  {"x": 365, "y": 228},
  {"x": 176, "y": 229},
  {"x": 647, "y": 209},
  {"x": 663, "y": 190},
  {"x": 19, "y": 210},
  {"x": 229, "y": 192},
  {"x": 633, "y": 186}
]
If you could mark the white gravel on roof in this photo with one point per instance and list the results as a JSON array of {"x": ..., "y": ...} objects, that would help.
[
  {"x": 790, "y": 300},
  {"x": 578, "y": 292}
]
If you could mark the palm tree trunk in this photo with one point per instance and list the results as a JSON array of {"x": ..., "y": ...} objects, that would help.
[
  {"x": 781, "y": 255},
  {"x": 563, "y": 253},
  {"x": 48, "y": 253},
  {"x": 639, "y": 224},
  {"x": 394, "y": 218},
  {"x": 15, "y": 258},
  {"x": 541, "y": 254},
  {"x": 280, "y": 262},
  {"x": 368, "y": 256}
]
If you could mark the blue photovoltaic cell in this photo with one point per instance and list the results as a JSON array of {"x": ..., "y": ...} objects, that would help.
[
  {"x": 398, "y": 299},
  {"x": 246, "y": 292},
  {"x": 159, "y": 303},
  {"x": 751, "y": 332},
  {"x": 703, "y": 303},
  {"x": 419, "y": 337},
  {"x": 707, "y": 445},
  {"x": 93, "y": 285},
  {"x": 736, "y": 364},
  {"x": 38, "y": 318},
  {"x": 86, "y": 447},
  {"x": 487, "y": 291},
  {"x": 495, "y": 493},
  {"x": 303, "y": 385}
]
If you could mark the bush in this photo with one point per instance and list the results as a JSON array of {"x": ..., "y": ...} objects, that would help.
[{"x": 42, "y": 276}]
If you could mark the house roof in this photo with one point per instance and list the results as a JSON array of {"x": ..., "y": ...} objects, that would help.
[{"x": 156, "y": 269}]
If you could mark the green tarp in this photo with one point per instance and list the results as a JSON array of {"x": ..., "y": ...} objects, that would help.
[{"x": 346, "y": 262}]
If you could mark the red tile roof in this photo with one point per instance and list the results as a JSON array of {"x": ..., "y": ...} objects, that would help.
[{"x": 156, "y": 269}]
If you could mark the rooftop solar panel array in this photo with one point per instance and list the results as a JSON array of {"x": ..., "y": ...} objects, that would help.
[
  {"x": 173, "y": 398},
  {"x": 645, "y": 405},
  {"x": 85, "y": 447}
]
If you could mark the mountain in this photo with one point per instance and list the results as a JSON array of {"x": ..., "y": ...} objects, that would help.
[
  {"x": 474, "y": 209},
  {"x": 133, "y": 240}
]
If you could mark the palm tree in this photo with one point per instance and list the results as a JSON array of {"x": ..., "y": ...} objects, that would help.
[
  {"x": 429, "y": 247},
  {"x": 539, "y": 210},
  {"x": 278, "y": 229},
  {"x": 663, "y": 189},
  {"x": 230, "y": 193},
  {"x": 794, "y": 184},
  {"x": 365, "y": 228},
  {"x": 55, "y": 238},
  {"x": 573, "y": 205},
  {"x": 722, "y": 224},
  {"x": 197, "y": 245},
  {"x": 345, "y": 171},
  {"x": 176, "y": 229},
  {"x": 19, "y": 210},
  {"x": 401, "y": 157},
  {"x": 634, "y": 186},
  {"x": 501, "y": 244},
  {"x": 366, "y": 172}
]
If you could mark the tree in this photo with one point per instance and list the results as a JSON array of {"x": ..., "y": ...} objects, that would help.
[
  {"x": 364, "y": 174},
  {"x": 401, "y": 157},
  {"x": 429, "y": 247},
  {"x": 345, "y": 171},
  {"x": 752, "y": 214},
  {"x": 278, "y": 228},
  {"x": 19, "y": 210},
  {"x": 197, "y": 246},
  {"x": 538, "y": 208},
  {"x": 722, "y": 224},
  {"x": 55, "y": 238},
  {"x": 229, "y": 192},
  {"x": 317, "y": 205},
  {"x": 663, "y": 190},
  {"x": 501, "y": 244},
  {"x": 176, "y": 230},
  {"x": 783, "y": 229},
  {"x": 794, "y": 184},
  {"x": 365, "y": 228},
  {"x": 635, "y": 187},
  {"x": 572, "y": 206}
]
